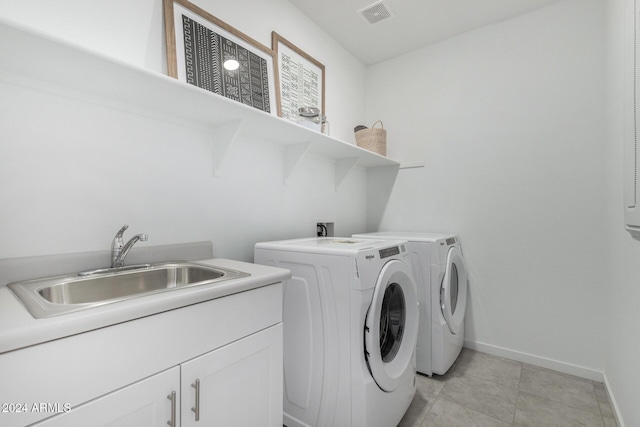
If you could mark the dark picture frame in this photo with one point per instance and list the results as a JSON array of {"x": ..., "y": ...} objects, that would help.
[{"x": 200, "y": 47}]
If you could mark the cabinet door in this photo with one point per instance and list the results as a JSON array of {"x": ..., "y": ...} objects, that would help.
[
  {"x": 239, "y": 384},
  {"x": 144, "y": 403}
]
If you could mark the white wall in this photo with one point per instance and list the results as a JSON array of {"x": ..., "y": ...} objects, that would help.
[
  {"x": 73, "y": 172},
  {"x": 623, "y": 266},
  {"x": 134, "y": 32},
  {"x": 509, "y": 121}
]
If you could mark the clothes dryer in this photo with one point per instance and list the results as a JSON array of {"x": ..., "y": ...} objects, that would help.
[
  {"x": 350, "y": 325},
  {"x": 439, "y": 269}
]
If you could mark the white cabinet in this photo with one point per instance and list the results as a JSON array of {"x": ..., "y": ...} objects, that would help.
[
  {"x": 631, "y": 120},
  {"x": 236, "y": 385},
  {"x": 143, "y": 404},
  {"x": 121, "y": 375}
]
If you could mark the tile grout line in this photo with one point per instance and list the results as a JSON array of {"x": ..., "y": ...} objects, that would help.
[
  {"x": 515, "y": 409},
  {"x": 446, "y": 378},
  {"x": 497, "y": 382},
  {"x": 441, "y": 396},
  {"x": 560, "y": 402},
  {"x": 437, "y": 396},
  {"x": 598, "y": 402}
]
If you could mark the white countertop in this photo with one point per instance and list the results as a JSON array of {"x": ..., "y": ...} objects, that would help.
[{"x": 18, "y": 328}]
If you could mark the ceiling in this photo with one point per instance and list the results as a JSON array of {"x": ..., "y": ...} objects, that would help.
[{"x": 413, "y": 24}]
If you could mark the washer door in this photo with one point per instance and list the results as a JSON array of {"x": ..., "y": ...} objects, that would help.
[
  {"x": 453, "y": 291},
  {"x": 391, "y": 326}
]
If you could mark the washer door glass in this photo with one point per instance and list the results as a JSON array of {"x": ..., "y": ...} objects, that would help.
[
  {"x": 392, "y": 322},
  {"x": 453, "y": 291},
  {"x": 391, "y": 326}
]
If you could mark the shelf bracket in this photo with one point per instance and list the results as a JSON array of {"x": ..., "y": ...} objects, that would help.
[
  {"x": 225, "y": 136},
  {"x": 343, "y": 167},
  {"x": 293, "y": 154}
]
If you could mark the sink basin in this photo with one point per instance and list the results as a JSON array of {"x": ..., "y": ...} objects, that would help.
[{"x": 65, "y": 294}]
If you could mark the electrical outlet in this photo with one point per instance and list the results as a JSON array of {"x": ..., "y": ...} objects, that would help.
[{"x": 324, "y": 229}]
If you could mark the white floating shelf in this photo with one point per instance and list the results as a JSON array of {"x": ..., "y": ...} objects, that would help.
[{"x": 39, "y": 61}]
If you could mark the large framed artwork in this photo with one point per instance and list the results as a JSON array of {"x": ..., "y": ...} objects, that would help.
[
  {"x": 301, "y": 78},
  {"x": 204, "y": 51}
]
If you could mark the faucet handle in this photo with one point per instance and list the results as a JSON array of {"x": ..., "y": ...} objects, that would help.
[
  {"x": 117, "y": 243},
  {"x": 121, "y": 232}
]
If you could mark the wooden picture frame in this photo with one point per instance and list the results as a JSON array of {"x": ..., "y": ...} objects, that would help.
[
  {"x": 292, "y": 63},
  {"x": 199, "y": 46}
]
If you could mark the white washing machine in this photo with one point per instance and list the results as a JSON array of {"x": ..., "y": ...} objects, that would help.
[
  {"x": 350, "y": 319},
  {"x": 438, "y": 267}
]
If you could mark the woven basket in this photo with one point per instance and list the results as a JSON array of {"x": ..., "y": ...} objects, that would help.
[{"x": 373, "y": 139}]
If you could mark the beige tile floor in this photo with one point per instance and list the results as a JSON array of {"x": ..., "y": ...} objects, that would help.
[{"x": 488, "y": 391}]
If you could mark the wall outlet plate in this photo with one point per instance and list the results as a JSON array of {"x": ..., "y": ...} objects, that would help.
[{"x": 325, "y": 229}]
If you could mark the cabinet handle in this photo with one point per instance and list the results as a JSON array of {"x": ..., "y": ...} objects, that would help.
[
  {"x": 197, "y": 407},
  {"x": 172, "y": 398}
]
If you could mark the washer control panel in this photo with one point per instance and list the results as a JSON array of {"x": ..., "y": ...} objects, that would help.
[{"x": 391, "y": 251}]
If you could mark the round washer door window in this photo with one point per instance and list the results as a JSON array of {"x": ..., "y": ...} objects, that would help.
[
  {"x": 392, "y": 322},
  {"x": 391, "y": 326},
  {"x": 453, "y": 291}
]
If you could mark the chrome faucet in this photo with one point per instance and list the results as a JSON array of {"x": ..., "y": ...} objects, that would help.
[{"x": 119, "y": 249}]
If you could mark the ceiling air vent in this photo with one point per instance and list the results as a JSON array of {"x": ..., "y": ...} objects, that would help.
[{"x": 376, "y": 12}]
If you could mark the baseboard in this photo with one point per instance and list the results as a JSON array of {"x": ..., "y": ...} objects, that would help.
[
  {"x": 578, "y": 371},
  {"x": 614, "y": 403}
]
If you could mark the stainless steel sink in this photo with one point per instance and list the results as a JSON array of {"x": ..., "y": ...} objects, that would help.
[{"x": 65, "y": 294}]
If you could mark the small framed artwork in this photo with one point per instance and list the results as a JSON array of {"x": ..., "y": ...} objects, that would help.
[
  {"x": 301, "y": 78},
  {"x": 204, "y": 51}
]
